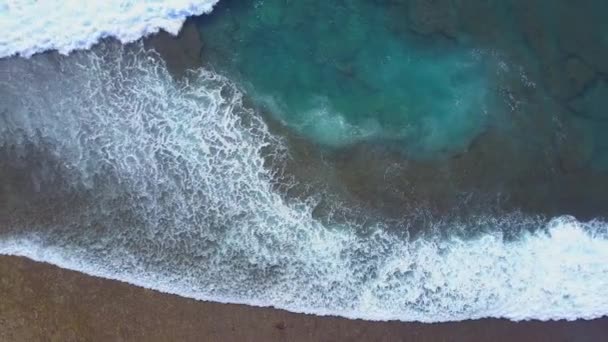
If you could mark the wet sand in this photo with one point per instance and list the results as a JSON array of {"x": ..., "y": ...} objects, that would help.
[{"x": 41, "y": 302}]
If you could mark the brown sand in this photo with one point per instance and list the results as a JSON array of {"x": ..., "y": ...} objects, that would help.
[{"x": 41, "y": 302}]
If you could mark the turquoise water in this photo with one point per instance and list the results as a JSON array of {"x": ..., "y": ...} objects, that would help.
[
  {"x": 341, "y": 72},
  {"x": 428, "y": 76},
  {"x": 501, "y": 99}
]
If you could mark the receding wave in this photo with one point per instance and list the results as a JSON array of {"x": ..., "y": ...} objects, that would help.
[
  {"x": 162, "y": 183},
  {"x": 29, "y": 27}
]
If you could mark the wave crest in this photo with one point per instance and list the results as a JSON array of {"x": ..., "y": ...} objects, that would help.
[{"x": 29, "y": 27}]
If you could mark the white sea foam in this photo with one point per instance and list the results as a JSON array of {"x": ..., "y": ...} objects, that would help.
[
  {"x": 29, "y": 26},
  {"x": 176, "y": 198}
]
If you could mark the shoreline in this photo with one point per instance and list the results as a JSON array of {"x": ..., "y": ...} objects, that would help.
[{"x": 47, "y": 302}]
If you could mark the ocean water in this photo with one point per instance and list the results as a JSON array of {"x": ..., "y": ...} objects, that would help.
[
  {"x": 470, "y": 94},
  {"x": 341, "y": 72},
  {"x": 429, "y": 75},
  {"x": 112, "y": 167}
]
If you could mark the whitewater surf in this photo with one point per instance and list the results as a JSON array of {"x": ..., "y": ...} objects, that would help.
[{"x": 121, "y": 170}]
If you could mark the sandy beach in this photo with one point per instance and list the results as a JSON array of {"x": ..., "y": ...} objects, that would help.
[{"x": 41, "y": 302}]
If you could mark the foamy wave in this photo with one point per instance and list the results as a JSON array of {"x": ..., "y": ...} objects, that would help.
[
  {"x": 29, "y": 27},
  {"x": 163, "y": 185},
  {"x": 559, "y": 274}
]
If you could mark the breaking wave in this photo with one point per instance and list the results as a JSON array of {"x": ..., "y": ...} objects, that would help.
[
  {"x": 29, "y": 27},
  {"x": 162, "y": 183}
]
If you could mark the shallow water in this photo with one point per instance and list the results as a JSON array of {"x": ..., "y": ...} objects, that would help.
[
  {"x": 455, "y": 99},
  {"x": 341, "y": 72},
  {"x": 134, "y": 176},
  {"x": 203, "y": 187}
]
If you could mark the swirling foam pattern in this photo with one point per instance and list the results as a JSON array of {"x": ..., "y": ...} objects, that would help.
[
  {"x": 174, "y": 196},
  {"x": 30, "y": 26}
]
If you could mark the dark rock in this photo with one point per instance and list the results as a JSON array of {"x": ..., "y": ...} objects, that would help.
[
  {"x": 432, "y": 16},
  {"x": 592, "y": 103},
  {"x": 181, "y": 52},
  {"x": 569, "y": 79}
]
